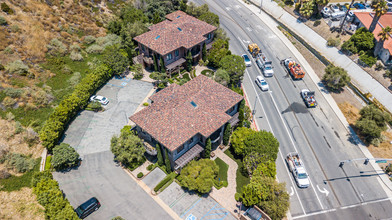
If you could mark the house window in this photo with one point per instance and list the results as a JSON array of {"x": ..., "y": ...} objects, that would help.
[
  {"x": 180, "y": 149},
  {"x": 142, "y": 47},
  {"x": 169, "y": 56},
  {"x": 177, "y": 53},
  {"x": 209, "y": 36}
]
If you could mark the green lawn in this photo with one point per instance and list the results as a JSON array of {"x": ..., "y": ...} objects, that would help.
[
  {"x": 242, "y": 178},
  {"x": 223, "y": 168},
  {"x": 14, "y": 183}
]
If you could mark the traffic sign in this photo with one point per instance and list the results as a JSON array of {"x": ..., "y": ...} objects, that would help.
[{"x": 381, "y": 161}]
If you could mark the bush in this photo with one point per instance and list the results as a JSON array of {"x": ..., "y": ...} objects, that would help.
[
  {"x": 95, "y": 49},
  {"x": 140, "y": 175},
  {"x": 317, "y": 23},
  {"x": 128, "y": 149},
  {"x": 68, "y": 107},
  {"x": 149, "y": 167},
  {"x": 333, "y": 42},
  {"x": 237, "y": 196},
  {"x": 13, "y": 93},
  {"x": 9, "y": 102},
  {"x": 165, "y": 180},
  {"x": 76, "y": 56},
  {"x": 367, "y": 59},
  {"x": 64, "y": 156},
  {"x": 3, "y": 21},
  {"x": 336, "y": 77},
  {"x": 56, "y": 48},
  {"x": 17, "y": 67},
  {"x": 15, "y": 28},
  {"x": 137, "y": 70},
  {"x": 349, "y": 46},
  {"x": 145, "y": 104},
  {"x": 18, "y": 127},
  {"x": 19, "y": 162},
  {"x": 89, "y": 39},
  {"x": 199, "y": 175},
  {"x": 94, "y": 106},
  {"x": 6, "y": 8}
]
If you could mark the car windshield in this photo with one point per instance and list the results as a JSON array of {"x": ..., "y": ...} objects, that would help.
[
  {"x": 246, "y": 58},
  {"x": 268, "y": 68},
  {"x": 79, "y": 210},
  {"x": 263, "y": 83},
  {"x": 302, "y": 176},
  {"x": 103, "y": 99}
]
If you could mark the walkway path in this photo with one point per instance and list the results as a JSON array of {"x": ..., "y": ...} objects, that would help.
[
  {"x": 225, "y": 196},
  {"x": 360, "y": 77}
]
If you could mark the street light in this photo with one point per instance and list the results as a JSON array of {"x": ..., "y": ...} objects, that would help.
[{"x": 254, "y": 109}]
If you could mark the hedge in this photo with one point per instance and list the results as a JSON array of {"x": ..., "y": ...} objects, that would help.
[
  {"x": 164, "y": 181},
  {"x": 51, "y": 197},
  {"x": 67, "y": 109}
]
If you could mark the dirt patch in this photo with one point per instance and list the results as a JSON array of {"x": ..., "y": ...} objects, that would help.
[
  {"x": 385, "y": 148},
  {"x": 20, "y": 204}
]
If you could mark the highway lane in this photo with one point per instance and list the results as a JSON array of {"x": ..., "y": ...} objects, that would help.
[{"x": 315, "y": 133}]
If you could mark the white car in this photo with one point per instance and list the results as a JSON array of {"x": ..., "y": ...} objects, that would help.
[
  {"x": 260, "y": 81},
  {"x": 335, "y": 8},
  {"x": 246, "y": 60},
  {"x": 100, "y": 99},
  {"x": 326, "y": 12}
]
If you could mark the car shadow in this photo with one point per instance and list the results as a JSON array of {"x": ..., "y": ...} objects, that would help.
[{"x": 296, "y": 108}]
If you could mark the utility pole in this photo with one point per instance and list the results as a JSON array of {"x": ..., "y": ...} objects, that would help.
[
  {"x": 345, "y": 16},
  {"x": 366, "y": 161},
  {"x": 261, "y": 5}
]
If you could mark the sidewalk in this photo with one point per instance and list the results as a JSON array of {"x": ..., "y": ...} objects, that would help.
[
  {"x": 361, "y": 78},
  {"x": 275, "y": 10}
]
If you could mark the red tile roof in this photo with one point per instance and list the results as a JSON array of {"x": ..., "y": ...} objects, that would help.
[
  {"x": 180, "y": 30},
  {"x": 366, "y": 19},
  {"x": 172, "y": 119}
]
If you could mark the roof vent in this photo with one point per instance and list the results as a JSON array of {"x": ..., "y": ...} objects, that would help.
[
  {"x": 178, "y": 16},
  {"x": 179, "y": 29},
  {"x": 157, "y": 37},
  {"x": 193, "y": 104}
]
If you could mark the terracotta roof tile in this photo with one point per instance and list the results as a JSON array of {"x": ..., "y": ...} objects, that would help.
[
  {"x": 172, "y": 118},
  {"x": 180, "y": 30}
]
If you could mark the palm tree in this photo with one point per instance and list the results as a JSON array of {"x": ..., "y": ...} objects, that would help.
[
  {"x": 384, "y": 35},
  {"x": 307, "y": 9},
  {"x": 379, "y": 7},
  {"x": 320, "y": 5}
]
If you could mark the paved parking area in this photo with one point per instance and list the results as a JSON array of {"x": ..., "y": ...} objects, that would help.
[
  {"x": 154, "y": 177},
  {"x": 98, "y": 175},
  {"x": 190, "y": 206}
]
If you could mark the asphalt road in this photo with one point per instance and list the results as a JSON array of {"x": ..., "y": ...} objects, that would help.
[
  {"x": 99, "y": 175},
  {"x": 351, "y": 192}
]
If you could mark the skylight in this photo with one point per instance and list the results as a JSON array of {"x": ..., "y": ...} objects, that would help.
[
  {"x": 157, "y": 37},
  {"x": 193, "y": 104},
  {"x": 178, "y": 16},
  {"x": 179, "y": 29}
]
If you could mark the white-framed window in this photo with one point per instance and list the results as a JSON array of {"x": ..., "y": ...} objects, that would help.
[
  {"x": 176, "y": 52},
  {"x": 209, "y": 36},
  {"x": 169, "y": 56}
]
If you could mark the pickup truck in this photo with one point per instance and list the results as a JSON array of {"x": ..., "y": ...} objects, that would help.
[
  {"x": 308, "y": 98},
  {"x": 297, "y": 169},
  {"x": 265, "y": 65}
]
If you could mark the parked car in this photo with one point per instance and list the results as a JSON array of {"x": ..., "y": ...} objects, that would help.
[
  {"x": 335, "y": 8},
  {"x": 260, "y": 81},
  {"x": 87, "y": 208},
  {"x": 246, "y": 60},
  {"x": 326, "y": 12},
  {"x": 100, "y": 99},
  {"x": 358, "y": 5}
]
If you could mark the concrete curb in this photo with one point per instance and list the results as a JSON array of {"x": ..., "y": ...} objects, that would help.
[{"x": 273, "y": 26}]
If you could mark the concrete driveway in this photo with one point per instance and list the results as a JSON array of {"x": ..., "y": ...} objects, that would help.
[{"x": 98, "y": 175}]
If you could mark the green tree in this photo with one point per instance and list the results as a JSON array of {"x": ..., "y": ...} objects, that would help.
[
  {"x": 188, "y": 61},
  {"x": 238, "y": 137},
  {"x": 64, "y": 156},
  {"x": 221, "y": 34},
  {"x": 257, "y": 164},
  {"x": 226, "y": 134},
  {"x": 162, "y": 65},
  {"x": 159, "y": 155},
  {"x": 336, "y": 77},
  {"x": 235, "y": 67},
  {"x": 210, "y": 18},
  {"x": 116, "y": 59},
  {"x": 222, "y": 77},
  {"x": 264, "y": 143},
  {"x": 380, "y": 7},
  {"x": 363, "y": 39},
  {"x": 372, "y": 122},
  {"x": 167, "y": 162},
  {"x": 204, "y": 53},
  {"x": 241, "y": 117},
  {"x": 155, "y": 62},
  {"x": 207, "y": 151},
  {"x": 383, "y": 36},
  {"x": 128, "y": 149},
  {"x": 199, "y": 175},
  {"x": 369, "y": 129},
  {"x": 267, "y": 194},
  {"x": 219, "y": 49},
  {"x": 196, "y": 11},
  {"x": 307, "y": 8},
  {"x": 161, "y": 78},
  {"x": 183, "y": 5}
]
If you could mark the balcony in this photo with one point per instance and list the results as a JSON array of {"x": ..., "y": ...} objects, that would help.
[
  {"x": 234, "y": 120},
  {"x": 188, "y": 156}
]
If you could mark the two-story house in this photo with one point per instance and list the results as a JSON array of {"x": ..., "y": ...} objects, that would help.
[
  {"x": 171, "y": 39},
  {"x": 181, "y": 118}
]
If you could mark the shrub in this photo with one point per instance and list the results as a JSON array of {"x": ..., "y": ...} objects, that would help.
[
  {"x": 56, "y": 48},
  {"x": 379, "y": 66},
  {"x": 75, "y": 56},
  {"x": 19, "y": 162},
  {"x": 89, "y": 39},
  {"x": 128, "y": 149},
  {"x": 6, "y": 8},
  {"x": 108, "y": 40},
  {"x": 18, "y": 127},
  {"x": 137, "y": 70},
  {"x": 13, "y": 93},
  {"x": 336, "y": 77},
  {"x": 368, "y": 59},
  {"x": 64, "y": 156},
  {"x": 349, "y": 46},
  {"x": 94, "y": 49},
  {"x": 164, "y": 181},
  {"x": 15, "y": 28},
  {"x": 3, "y": 21},
  {"x": 75, "y": 48},
  {"x": 75, "y": 78},
  {"x": 17, "y": 67},
  {"x": 140, "y": 175},
  {"x": 118, "y": 218},
  {"x": 94, "y": 106},
  {"x": 317, "y": 23},
  {"x": 4, "y": 174},
  {"x": 333, "y": 42},
  {"x": 8, "y": 50},
  {"x": 237, "y": 196},
  {"x": 145, "y": 104},
  {"x": 199, "y": 175},
  {"x": 9, "y": 116},
  {"x": 149, "y": 167},
  {"x": 9, "y": 102}
]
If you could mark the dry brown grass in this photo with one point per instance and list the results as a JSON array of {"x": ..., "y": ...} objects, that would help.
[
  {"x": 350, "y": 112},
  {"x": 385, "y": 148},
  {"x": 20, "y": 204}
]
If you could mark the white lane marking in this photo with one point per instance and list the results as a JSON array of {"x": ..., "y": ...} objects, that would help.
[
  {"x": 292, "y": 191},
  {"x": 237, "y": 6},
  {"x": 259, "y": 27},
  {"x": 249, "y": 29},
  {"x": 313, "y": 213},
  {"x": 324, "y": 190},
  {"x": 241, "y": 41},
  {"x": 280, "y": 152},
  {"x": 366, "y": 203},
  {"x": 228, "y": 8},
  {"x": 287, "y": 130}
]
